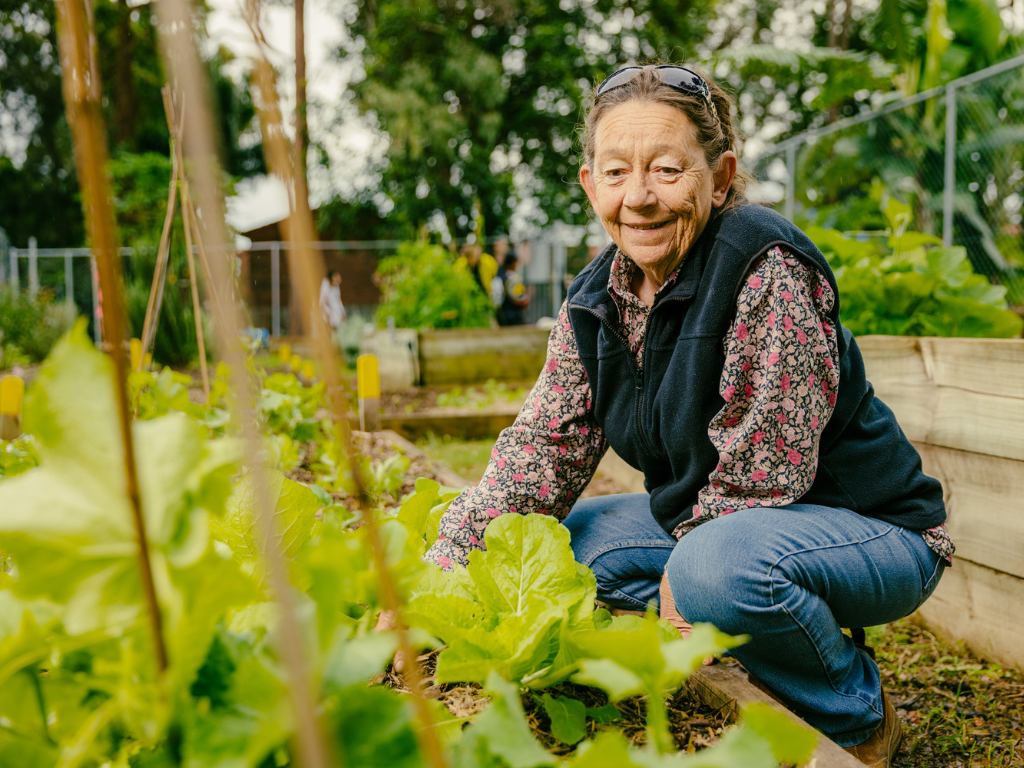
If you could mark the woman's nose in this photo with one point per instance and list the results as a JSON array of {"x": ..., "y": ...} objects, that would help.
[{"x": 639, "y": 193}]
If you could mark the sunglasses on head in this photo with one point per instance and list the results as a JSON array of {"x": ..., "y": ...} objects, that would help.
[{"x": 679, "y": 78}]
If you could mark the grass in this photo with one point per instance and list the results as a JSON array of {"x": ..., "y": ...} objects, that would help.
[
  {"x": 466, "y": 458},
  {"x": 958, "y": 711}
]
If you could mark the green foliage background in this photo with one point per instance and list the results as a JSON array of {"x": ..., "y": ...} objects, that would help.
[{"x": 423, "y": 289}]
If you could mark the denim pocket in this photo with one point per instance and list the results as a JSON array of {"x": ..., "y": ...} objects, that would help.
[{"x": 933, "y": 580}]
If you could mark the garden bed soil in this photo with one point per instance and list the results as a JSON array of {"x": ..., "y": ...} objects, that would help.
[{"x": 693, "y": 725}]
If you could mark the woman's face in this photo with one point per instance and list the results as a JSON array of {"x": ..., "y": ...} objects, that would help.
[{"x": 651, "y": 185}]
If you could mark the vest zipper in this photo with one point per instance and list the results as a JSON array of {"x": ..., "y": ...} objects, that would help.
[{"x": 638, "y": 374}]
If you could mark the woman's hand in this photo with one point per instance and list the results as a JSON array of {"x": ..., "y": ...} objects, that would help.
[
  {"x": 385, "y": 622},
  {"x": 671, "y": 615}
]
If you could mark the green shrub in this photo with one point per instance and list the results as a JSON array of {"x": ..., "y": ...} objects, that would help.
[
  {"x": 30, "y": 327},
  {"x": 423, "y": 289},
  {"x": 907, "y": 284}
]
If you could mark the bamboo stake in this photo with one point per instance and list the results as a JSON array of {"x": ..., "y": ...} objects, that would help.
[
  {"x": 83, "y": 102},
  {"x": 193, "y": 280},
  {"x": 308, "y": 272},
  {"x": 184, "y": 67},
  {"x": 163, "y": 252}
]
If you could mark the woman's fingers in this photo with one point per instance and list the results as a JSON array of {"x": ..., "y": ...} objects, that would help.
[{"x": 385, "y": 621}]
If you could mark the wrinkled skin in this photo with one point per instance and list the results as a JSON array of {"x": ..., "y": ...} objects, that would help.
[{"x": 652, "y": 188}]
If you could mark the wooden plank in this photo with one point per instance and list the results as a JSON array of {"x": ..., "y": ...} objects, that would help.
[
  {"x": 940, "y": 400},
  {"x": 465, "y": 423},
  {"x": 985, "y": 500},
  {"x": 981, "y": 607},
  {"x": 726, "y": 687},
  {"x": 469, "y": 355},
  {"x": 985, "y": 366}
]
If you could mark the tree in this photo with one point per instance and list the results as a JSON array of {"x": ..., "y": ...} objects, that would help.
[
  {"x": 37, "y": 170},
  {"x": 481, "y": 98}
]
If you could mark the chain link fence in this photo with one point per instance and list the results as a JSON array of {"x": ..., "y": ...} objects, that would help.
[{"x": 955, "y": 154}]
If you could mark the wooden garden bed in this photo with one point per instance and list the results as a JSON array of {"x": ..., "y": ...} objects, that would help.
[{"x": 962, "y": 403}]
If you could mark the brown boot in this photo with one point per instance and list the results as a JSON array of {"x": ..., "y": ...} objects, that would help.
[{"x": 878, "y": 749}]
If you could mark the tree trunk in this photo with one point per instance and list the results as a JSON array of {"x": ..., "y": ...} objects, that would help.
[
  {"x": 844, "y": 38},
  {"x": 301, "y": 126},
  {"x": 830, "y": 23}
]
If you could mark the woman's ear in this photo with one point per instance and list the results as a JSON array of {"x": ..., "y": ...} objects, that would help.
[
  {"x": 725, "y": 172},
  {"x": 587, "y": 182}
]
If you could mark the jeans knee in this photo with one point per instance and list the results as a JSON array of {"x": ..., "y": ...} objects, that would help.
[{"x": 717, "y": 584}]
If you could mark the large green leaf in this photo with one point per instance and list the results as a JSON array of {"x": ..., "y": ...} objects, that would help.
[
  {"x": 294, "y": 507},
  {"x": 68, "y": 524},
  {"x": 528, "y": 556}
]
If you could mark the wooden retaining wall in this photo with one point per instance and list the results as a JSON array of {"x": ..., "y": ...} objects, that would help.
[
  {"x": 961, "y": 401},
  {"x": 472, "y": 355}
]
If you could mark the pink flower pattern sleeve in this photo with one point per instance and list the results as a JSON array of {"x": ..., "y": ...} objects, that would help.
[
  {"x": 779, "y": 383},
  {"x": 542, "y": 463}
]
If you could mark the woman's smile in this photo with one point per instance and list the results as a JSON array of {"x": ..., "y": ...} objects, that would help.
[{"x": 651, "y": 186}]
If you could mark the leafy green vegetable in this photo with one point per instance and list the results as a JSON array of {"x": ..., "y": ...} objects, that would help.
[
  {"x": 568, "y": 718},
  {"x": 507, "y": 610},
  {"x": 501, "y": 731},
  {"x": 912, "y": 286}
]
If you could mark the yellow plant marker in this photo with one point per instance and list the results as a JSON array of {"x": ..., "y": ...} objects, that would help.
[
  {"x": 284, "y": 353},
  {"x": 309, "y": 370},
  {"x": 295, "y": 363},
  {"x": 12, "y": 393},
  {"x": 368, "y": 376},
  {"x": 368, "y": 389},
  {"x": 135, "y": 346}
]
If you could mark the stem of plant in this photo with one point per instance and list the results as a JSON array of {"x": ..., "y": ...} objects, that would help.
[
  {"x": 657, "y": 722},
  {"x": 308, "y": 272},
  {"x": 83, "y": 102}
]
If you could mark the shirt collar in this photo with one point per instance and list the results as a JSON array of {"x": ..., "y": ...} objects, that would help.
[{"x": 622, "y": 271}]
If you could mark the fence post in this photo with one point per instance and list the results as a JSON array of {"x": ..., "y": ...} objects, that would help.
[
  {"x": 275, "y": 289},
  {"x": 790, "y": 209},
  {"x": 69, "y": 278},
  {"x": 97, "y": 315},
  {"x": 949, "y": 184},
  {"x": 33, "y": 268},
  {"x": 15, "y": 277}
]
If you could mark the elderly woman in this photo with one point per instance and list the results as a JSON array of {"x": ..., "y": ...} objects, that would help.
[{"x": 704, "y": 346}]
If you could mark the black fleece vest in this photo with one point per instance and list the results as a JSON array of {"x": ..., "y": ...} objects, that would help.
[{"x": 656, "y": 418}]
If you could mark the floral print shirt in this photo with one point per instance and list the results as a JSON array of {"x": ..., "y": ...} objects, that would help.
[{"x": 779, "y": 383}]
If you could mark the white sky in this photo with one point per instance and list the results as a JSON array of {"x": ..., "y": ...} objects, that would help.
[{"x": 351, "y": 145}]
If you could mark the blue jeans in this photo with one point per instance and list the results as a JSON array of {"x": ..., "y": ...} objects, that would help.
[{"x": 789, "y": 577}]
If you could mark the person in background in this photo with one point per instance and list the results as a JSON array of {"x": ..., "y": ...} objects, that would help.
[
  {"x": 481, "y": 266},
  {"x": 330, "y": 301},
  {"x": 509, "y": 293}
]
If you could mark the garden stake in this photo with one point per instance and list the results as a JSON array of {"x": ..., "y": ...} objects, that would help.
[
  {"x": 156, "y": 292},
  {"x": 182, "y": 64},
  {"x": 308, "y": 272},
  {"x": 12, "y": 393},
  {"x": 83, "y": 102}
]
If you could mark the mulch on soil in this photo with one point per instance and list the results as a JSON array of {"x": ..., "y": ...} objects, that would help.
[
  {"x": 958, "y": 711},
  {"x": 693, "y": 725}
]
